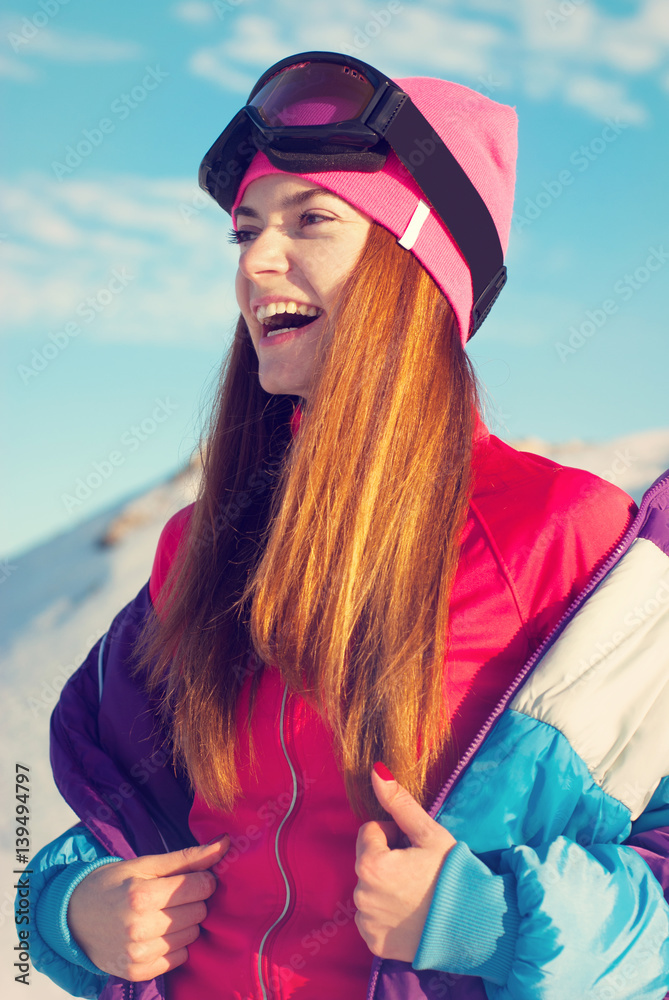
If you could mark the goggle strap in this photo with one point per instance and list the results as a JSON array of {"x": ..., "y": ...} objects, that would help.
[
  {"x": 412, "y": 231},
  {"x": 452, "y": 194},
  {"x": 486, "y": 300}
]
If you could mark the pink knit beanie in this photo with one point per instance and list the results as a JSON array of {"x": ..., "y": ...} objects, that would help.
[{"x": 482, "y": 136}]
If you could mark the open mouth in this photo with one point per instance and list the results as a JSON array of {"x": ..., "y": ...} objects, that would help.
[
  {"x": 284, "y": 317},
  {"x": 284, "y": 324}
]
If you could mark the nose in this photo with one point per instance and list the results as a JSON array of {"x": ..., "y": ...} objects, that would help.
[{"x": 267, "y": 252}]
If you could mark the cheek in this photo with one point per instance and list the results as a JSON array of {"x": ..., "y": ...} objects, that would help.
[
  {"x": 332, "y": 266},
  {"x": 243, "y": 299},
  {"x": 242, "y": 294},
  {"x": 327, "y": 272}
]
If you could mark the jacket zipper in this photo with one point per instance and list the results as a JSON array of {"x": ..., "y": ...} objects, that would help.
[
  {"x": 594, "y": 582},
  {"x": 263, "y": 985}
]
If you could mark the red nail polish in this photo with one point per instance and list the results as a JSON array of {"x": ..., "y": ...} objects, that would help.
[
  {"x": 214, "y": 839},
  {"x": 383, "y": 771}
]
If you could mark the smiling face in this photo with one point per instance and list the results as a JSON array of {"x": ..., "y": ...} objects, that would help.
[{"x": 298, "y": 243}]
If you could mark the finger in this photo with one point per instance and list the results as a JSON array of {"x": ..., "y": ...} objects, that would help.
[
  {"x": 409, "y": 815},
  {"x": 142, "y": 972},
  {"x": 394, "y": 836},
  {"x": 148, "y": 959},
  {"x": 172, "y": 890},
  {"x": 373, "y": 837},
  {"x": 164, "y": 922},
  {"x": 380, "y": 834},
  {"x": 180, "y": 939},
  {"x": 178, "y": 918},
  {"x": 190, "y": 859}
]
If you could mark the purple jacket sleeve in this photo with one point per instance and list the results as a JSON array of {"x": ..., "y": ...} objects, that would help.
[
  {"x": 110, "y": 756},
  {"x": 650, "y": 835}
]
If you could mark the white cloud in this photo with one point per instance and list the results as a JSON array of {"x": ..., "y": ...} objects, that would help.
[
  {"x": 28, "y": 40},
  {"x": 65, "y": 240},
  {"x": 629, "y": 54},
  {"x": 194, "y": 12},
  {"x": 14, "y": 69},
  {"x": 591, "y": 58},
  {"x": 458, "y": 45},
  {"x": 574, "y": 52},
  {"x": 254, "y": 42},
  {"x": 212, "y": 65},
  {"x": 70, "y": 47},
  {"x": 236, "y": 62},
  {"x": 603, "y": 99}
]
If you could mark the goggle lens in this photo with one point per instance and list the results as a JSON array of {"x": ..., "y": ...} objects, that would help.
[{"x": 313, "y": 94}]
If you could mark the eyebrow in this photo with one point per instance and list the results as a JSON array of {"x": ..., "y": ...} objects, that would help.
[{"x": 291, "y": 201}]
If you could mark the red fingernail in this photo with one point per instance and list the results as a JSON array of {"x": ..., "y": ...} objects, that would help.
[
  {"x": 215, "y": 839},
  {"x": 383, "y": 771}
]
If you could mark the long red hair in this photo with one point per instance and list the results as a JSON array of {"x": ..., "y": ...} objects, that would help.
[{"x": 331, "y": 554}]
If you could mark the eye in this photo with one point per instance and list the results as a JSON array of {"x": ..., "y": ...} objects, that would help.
[
  {"x": 313, "y": 218},
  {"x": 239, "y": 235},
  {"x": 305, "y": 219}
]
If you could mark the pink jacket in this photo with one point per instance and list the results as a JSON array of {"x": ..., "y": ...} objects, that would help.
[{"x": 282, "y": 921}]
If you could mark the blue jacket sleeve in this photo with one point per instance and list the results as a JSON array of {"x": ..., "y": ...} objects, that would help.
[
  {"x": 56, "y": 871},
  {"x": 554, "y": 920}
]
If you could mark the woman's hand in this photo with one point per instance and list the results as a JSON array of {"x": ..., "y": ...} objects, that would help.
[
  {"x": 395, "y": 887},
  {"x": 135, "y": 919}
]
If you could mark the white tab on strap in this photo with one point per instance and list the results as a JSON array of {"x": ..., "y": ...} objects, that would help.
[{"x": 415, "y": 225}]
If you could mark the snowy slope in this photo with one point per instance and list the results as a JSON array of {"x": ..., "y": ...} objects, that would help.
[
  {"x": 632, "y": 462},
  {"x": 59, "y": 598}
]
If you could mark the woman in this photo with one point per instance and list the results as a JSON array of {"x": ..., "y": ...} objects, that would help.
[{"x": 363, "y": 591}]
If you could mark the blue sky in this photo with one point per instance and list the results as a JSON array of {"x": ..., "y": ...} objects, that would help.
[{"x": 117, "y": 280}]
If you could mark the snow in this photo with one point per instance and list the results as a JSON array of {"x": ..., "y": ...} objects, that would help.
[
  {"x": 60, "y": 597},
  {"x": 632, "y": 462}
]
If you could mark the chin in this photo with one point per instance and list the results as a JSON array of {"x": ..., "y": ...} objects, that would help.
[{"x": 277, "y": 387}]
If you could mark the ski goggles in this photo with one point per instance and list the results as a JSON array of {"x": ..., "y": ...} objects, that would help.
[{"x": 320, "y": 111}]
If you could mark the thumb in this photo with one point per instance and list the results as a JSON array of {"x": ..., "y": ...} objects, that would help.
[
  {"x": 409, "y": 815},
  {"x": 190, "y": 859}
]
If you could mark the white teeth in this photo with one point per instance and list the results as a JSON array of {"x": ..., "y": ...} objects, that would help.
[
  {"x": 283, "y": 329},
  {"x": 289, "y": 306}
]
